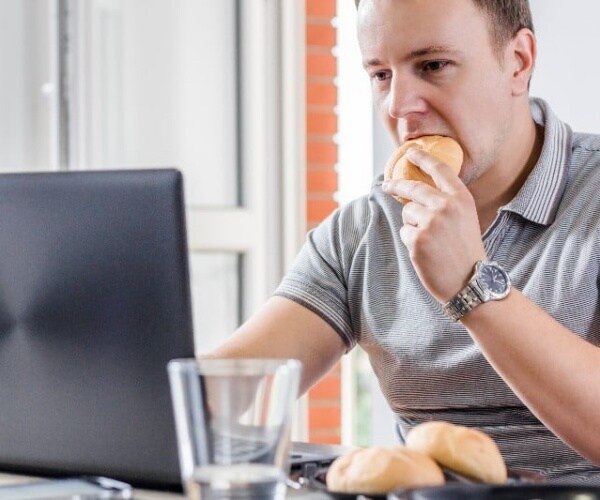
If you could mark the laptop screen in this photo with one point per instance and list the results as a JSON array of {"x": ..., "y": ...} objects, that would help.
[{"x": 94, "y": 301}]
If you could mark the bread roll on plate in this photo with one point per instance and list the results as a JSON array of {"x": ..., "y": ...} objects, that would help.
[
  {"x": 464, "y": 450},
  {"x": 379, "y": 470},
  {"x": 444, "y": 148}
]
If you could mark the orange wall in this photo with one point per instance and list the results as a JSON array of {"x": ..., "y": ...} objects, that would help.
[{"x": 324, "y": 415}]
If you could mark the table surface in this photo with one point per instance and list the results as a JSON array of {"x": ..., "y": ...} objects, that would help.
[{"x": 140, "y": 494}]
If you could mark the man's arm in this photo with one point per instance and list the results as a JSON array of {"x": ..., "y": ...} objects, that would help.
[
  {"x": 285, "y": 329},
  {"x": 552, "y": 370}
]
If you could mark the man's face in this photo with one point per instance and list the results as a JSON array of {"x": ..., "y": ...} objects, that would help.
[{"x": 433, "y": 71}]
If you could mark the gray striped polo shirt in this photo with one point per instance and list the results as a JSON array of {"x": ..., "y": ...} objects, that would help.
[{"x": 355, "y": 272}]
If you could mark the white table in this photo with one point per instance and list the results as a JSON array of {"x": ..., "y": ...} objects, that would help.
[
  {"x": 140, "y": 494},
  {"x": 7, "y": 479}
]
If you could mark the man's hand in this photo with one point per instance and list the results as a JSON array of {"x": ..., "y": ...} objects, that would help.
[{"x": 441, "y": 227}]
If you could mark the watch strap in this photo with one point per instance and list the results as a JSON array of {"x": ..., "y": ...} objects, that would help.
[{"x": 463, "y": 302}]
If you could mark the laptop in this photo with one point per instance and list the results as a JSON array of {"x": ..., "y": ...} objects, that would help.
[
  {"x": 306, "y": 457},
  {"x": 94, "y": 301}
]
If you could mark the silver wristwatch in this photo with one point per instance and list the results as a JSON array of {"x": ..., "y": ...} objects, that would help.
[{"x": 489, "y": 282}]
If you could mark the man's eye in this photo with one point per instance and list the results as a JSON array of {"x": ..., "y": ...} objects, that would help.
[
  {"x": 432, "y": 66},
  {"x": 380, "y": 76}
]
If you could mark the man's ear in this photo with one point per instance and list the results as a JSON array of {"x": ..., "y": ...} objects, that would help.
[{"x": 522, "y": 53}]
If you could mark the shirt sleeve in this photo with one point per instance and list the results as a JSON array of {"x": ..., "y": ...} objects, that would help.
[{"x": 318, "y": 279}]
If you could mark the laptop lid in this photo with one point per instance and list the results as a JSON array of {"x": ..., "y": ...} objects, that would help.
[{"x": 94, "y": 301}]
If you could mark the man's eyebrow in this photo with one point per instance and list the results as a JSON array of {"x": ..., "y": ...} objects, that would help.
[
  {"x": 425, "y": 51},
  {"x": 432, "y": 49}
]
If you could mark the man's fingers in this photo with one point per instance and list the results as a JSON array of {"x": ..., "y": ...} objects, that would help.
[
  {"x": 416, "y": 214},
  {"x": 408, "y": 235},
  {"x": 411, "y": 190},
  {"x": 442, "y": 174}
]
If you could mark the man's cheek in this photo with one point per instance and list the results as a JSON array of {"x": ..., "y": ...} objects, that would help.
[{"x": 393, "y": 127}]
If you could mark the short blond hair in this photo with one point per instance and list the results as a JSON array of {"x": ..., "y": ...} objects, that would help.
[{"x": 506, "y": 18}]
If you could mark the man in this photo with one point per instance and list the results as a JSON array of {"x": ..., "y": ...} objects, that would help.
[{"x": 524, "y": 366}]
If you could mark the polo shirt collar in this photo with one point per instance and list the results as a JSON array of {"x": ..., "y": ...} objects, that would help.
[{"x": 539, "y": 197}]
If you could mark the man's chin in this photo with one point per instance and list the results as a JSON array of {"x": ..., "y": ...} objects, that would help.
[{"x": 469, "y": 174}]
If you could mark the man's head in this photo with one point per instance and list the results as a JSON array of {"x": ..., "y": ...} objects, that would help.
[{"x": 446, "y": 67}]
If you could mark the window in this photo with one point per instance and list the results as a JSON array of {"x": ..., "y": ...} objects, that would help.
[{"x": 193, "y": 84}]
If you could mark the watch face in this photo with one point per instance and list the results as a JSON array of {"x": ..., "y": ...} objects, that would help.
[{"x": 494, "y": 279}]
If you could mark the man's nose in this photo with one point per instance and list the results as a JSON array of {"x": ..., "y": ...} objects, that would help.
[{"x": 405, "y": 97}]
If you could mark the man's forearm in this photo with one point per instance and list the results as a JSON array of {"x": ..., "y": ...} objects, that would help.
[{"x": 552, "y": 370}]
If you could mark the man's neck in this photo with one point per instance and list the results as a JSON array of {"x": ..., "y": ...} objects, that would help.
[{"x": 501, "y": 183}]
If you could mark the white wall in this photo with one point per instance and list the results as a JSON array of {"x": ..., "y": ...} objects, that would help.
[{"x": 567, "y": 73}]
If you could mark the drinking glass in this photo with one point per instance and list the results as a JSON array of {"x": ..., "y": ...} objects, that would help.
[{"x": 233, "y": 419}]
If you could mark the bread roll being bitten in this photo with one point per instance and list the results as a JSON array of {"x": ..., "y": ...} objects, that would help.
[
  {"x": 444, "y": 148},
  {"x": 461, "y": 449},
  {"x": 378, "y": 470}
]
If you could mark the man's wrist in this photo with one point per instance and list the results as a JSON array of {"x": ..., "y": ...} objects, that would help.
[{"x": 488, "y": 282}]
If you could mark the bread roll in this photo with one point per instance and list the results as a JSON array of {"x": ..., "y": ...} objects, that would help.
[
  {"x": 379, "y": 470},
  {"x": 443, "y": 148},
  {"x": 464, "y": 450}
]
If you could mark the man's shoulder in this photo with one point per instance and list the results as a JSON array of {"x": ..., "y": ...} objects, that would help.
[
  {"x": 586, "y": 143},
  {"x": 585, "y": 157},
  {"x": 369, "y": 208},
  {"x": 372, "y": 219},
  {"x": 584, "y": 170}
]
